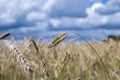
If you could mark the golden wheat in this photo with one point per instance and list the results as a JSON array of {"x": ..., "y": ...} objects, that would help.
[
  {"x": 4, "y": 35},
  {"x": 19, "y": 56},
  {"x": 79, "y": 62},
  {"x": 57, "y": 40},
  {"x": 34, "y": 43}
]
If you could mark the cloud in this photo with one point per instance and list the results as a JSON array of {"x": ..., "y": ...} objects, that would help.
[
  {"x": 58, "y": 13},
  {"x": 6, "y": 18},
  {"x": 30, "y": 13},
  {"x": 46, "y": 16},
  {"x": 63, "y": 23},
  {"x": 36, "y": 16},
  {"x": 96, "y": 20},
  {"x": 93, "y": 21},
  {"x": 114, "y": 19},
  {"x": 111, "y": 7},
  {"x": 66, "y": 8},
  {"x": 11, "y": 12}
]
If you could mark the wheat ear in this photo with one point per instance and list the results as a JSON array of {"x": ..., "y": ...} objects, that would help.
[
  {"x": 34, "y": 43},
  {"x": 58, "y": 39},
  {"x": 4, "y": 35},
  {"x": 20, "y": 57}
]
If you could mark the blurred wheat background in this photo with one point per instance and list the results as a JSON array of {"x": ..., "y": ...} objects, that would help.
[{"x": 35, "y": 60}]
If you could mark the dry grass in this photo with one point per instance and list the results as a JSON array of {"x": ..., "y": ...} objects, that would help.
[{"x": 67, "y": 61}]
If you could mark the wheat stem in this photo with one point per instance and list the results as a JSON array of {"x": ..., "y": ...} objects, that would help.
[{"x": 106, "y": 71}]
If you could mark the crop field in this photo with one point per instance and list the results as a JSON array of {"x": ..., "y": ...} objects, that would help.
[{"x": 35, "y": 60}]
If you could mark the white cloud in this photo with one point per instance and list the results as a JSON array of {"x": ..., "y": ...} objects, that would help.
[
  {"x": 56, "y": 13},
  {"x": 111, "y": 7},
  {"x": 40, "y": 26},
  {"x": 36, "y": 16},
  {"x": 12, "y": 10},
  {"x": 114, "y": 19},
  {"x": 6, "y": 18},
  {"x": 69, "y": 8},
  {"x": 55, "y": 22},
  {"x": 94, "y": 19},
  {"x": 63, "y": 23},
  {"x": 48, "y": 5}
]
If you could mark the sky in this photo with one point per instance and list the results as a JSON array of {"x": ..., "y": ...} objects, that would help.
[{"x": 94, "y": 19}]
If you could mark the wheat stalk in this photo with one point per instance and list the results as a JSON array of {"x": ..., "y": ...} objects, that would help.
[
  {"x": 58, "y": 39},
  {"x": 4, "y": 35},
  {"x": 97, "y": 54},
  {"x": 20, "y": 57},
  {"x": 34, "y": 43}
]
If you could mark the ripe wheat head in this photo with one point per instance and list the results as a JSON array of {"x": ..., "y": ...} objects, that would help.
[
  {"x": 58, "y": 39},
  {"x": 20, "y": 57},
  {"x": 4, "y": 35}
]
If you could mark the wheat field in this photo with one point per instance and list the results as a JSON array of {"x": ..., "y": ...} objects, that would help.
[{"x": 30, "y": 60}]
